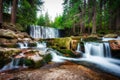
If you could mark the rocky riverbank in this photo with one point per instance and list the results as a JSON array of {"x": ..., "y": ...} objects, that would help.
[{"x": 58, "y": 71}]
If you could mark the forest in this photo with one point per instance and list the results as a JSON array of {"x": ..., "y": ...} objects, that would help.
[
  {"x": 82, "y": 43},
  {"x": 79, "y": 16}
]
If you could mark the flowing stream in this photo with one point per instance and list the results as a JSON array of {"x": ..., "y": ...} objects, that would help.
[{"x": 97, "y": 53}]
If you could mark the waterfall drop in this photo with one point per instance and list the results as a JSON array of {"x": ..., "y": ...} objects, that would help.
[{"x": 43, "y": 32}]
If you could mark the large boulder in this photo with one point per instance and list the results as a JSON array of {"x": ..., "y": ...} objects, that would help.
[
  {"x": 115, "y": 48},
  {"x": 7, "y": 34},
  {"x": 115, "y": 44},
  {"x": 62, "y": 43},
  {"x": 111, "y": 36}
]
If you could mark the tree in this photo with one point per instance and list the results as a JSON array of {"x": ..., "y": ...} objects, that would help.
[
  {"x": 94, "y": 17},
  {"x": 14, "y": 11},
  {"x": 41, "y": 20},
  {"x": 47, "y": 19},
  {"x": 1, "y": 11}
]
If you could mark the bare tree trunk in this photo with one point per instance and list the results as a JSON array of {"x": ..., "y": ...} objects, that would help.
[
  {"x": 118, "y": 19},
  {"x": 82, "y": 23},
  {"x": 89, "y": 15},
  {"x": 1, "y": 11},
  {"x": 101, "y": 5},
  {"x": 14, "y": 11},
  {"x": 94, "y": 17}
]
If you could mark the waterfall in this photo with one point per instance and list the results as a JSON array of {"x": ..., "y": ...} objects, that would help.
[
  {"x": 43, "y": 32},
  {"x": 107, "y": 49},
  {"x": 78, "y": 48},
  {"x": 94, "y": 49}
]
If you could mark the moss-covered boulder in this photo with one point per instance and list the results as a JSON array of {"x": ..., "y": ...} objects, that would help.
[{"x": 63, "y": 43}]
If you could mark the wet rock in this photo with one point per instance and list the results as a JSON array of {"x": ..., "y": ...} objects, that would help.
[
  {"x": 115, "y": 48},
  {"x": 7, "y": 34},
  {"x": 111, "y": 36},
  {"x": 115, "y": 44}
]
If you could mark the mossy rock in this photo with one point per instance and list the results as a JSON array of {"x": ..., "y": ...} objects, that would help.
[
  {"x": 47, "y": 58},
  {"x": 63, "y": 43},
  {"x": 31, "y": 64}
]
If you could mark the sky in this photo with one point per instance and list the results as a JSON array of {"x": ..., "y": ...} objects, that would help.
[{"x": 53, "y": 7}]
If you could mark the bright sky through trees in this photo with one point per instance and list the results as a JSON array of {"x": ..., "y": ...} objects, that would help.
[{"x": 53, "y": 7}]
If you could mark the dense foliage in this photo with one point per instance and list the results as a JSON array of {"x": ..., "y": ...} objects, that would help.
[
  {"x": 23, "y": 11},
  {"x": 90, "y": 16}
]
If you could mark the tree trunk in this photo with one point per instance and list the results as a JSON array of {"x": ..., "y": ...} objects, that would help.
[
  {"x": 14, "y": 11},
  {"x": 118, "y": 19},
  {"x": 94, "y": 18},
  {"x": 82, "y": 22},
  {"x": 1, "y": 12},
  {"x": 101, "y": 5},
  {"x": 89, "y": 15}
]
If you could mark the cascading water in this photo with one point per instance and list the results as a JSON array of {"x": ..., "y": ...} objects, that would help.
[
  {"x": 107, "y": 49},
  {"x": 14, "y": 64},
  {"x": 94, "y": 49},
  {"x": 100, "y": 54},
  {"x": 23, "y": 45},
  {"x": 43, "y": 32}
]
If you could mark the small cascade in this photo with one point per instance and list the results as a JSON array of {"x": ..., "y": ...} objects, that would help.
[
  {"x": 107, "y": 50},
  {"x": 43, "y": 32},
  {"x": 41, "y": 45},
  {"x": 78, "y": 48},
  {"x": 94, "y": 49},
  {"x": 97, "y": 49},
  {"x": 14, "y": 64},
  {"x": 23, "y": 45}
]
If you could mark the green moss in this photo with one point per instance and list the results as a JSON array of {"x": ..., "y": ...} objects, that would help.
[
  {"x": 32, "y": 64},
  {"x": 47, "y": 58},
  {"x": 91, "y": 39}
]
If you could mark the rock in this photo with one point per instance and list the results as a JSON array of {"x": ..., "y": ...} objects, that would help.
[
  {"x": 8, "y": 45},
  {"x": 111, "y": 36},
  {"x": 115, "y": 44},
  {"x": 7, "y": 34},
  {"x": 63, "y": 43},
  {"x": 92, "y": 37},
  {"x": 22, "y": 35},
  {"x": 9, "y": 26},
  {"x": 33, "y": 58},
  {"x": 4, "y": 40}
]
